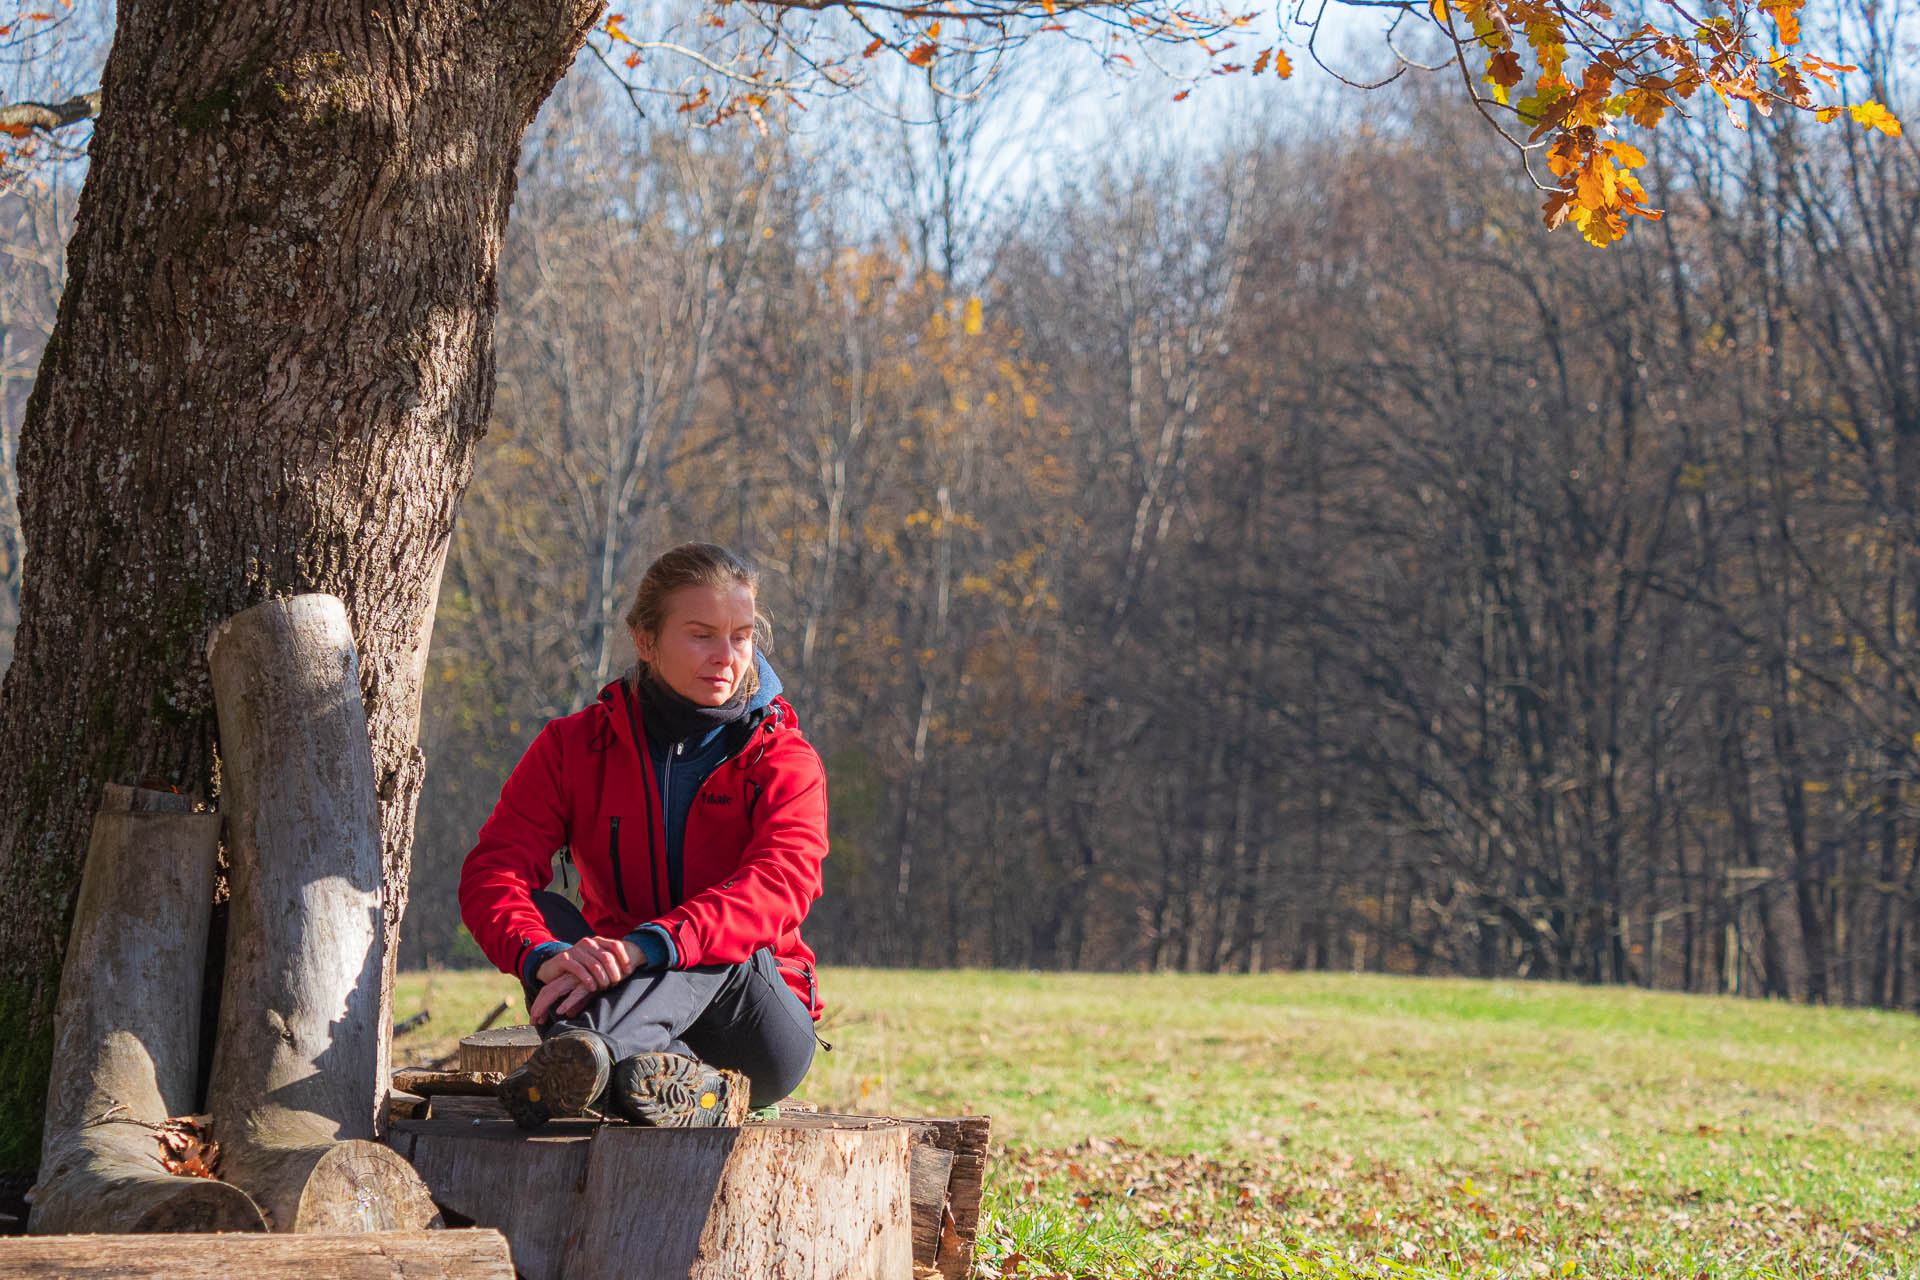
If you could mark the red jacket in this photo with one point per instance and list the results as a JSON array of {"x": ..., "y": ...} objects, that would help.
[{"x": 751, "y": 854}]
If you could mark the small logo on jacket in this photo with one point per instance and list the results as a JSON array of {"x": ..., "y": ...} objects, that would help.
[{"x": 715, "y": 797}]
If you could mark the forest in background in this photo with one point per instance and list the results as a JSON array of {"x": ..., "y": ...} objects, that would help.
[{"x": 1278, "y": 552}]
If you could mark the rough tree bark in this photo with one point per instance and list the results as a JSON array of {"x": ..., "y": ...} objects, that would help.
[{"x": 272, "y": 363}]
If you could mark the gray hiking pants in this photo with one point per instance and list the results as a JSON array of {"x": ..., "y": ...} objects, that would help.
[{"x": 740, "y": 1016}]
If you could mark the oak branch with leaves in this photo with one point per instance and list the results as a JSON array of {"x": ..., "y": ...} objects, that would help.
[
  {"x": 1558, "y": 78},
  {"x": 1564, "y": 77}
]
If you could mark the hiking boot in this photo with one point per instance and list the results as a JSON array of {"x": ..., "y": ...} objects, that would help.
[
  {"x": 673, "y": 1091},
  {"x": 562, "y": 1078}
]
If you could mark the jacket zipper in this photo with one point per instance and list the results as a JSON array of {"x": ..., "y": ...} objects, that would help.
[
  {"x": 805, "y": 970},
  {"x": 613, "y": 855},
  {"x": 666, "y": 807},
  {"x": 646, "y": 776},
  {"x": 653, "y": 826},
  {"x": 813, "y": 1008},
  {"x": 656, "y": 830}
]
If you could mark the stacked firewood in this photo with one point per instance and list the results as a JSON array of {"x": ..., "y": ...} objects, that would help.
[{"x": 284, "y": 1135}]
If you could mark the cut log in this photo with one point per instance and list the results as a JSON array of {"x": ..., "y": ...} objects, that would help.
[
  {"x": 946, "y": 1246},
  {"x": 299, "y": 1071},
  {"x": 499, "y": 1050},
  {"x": 497, "y": 1175},
  {"x": 769, "y": 1201},
  {"x": 451, "y": 1106},
  {"x": 966, "y": 1137},
  {"x": 429, "y": 1084},
  {"x": 126, "y": 1029},
  {"x": 382, "y": 1255},
  {"x": 402, "y": 1105},
  {"x": 946, "y": 1165},
  {"x": 584, "y": 1200}
]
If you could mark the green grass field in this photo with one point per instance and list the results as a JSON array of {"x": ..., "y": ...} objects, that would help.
[{"x": 1337, "y": 1126}]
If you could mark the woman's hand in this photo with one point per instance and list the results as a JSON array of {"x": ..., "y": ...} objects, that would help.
[
  {"x": 589, "y": 965},
  {"x": 563, "y": 997},
  {"x": 605, "y": 960}
]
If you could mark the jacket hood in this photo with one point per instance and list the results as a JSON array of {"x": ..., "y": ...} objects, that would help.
[{"x": 770, "y": 687}]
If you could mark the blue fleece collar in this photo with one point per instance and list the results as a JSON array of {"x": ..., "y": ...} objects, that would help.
[{"x": 769, "y": 684}]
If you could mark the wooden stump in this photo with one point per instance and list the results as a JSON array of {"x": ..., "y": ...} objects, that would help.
[
  {"x": 493, "y": 1174},
  {"x": 126, "y": 1030},
  {"x": 946, "y": 1157},
  {"x": 947, "y": 1168},
  {"x": 581, "y": 1200},
  {"x": 768, "y": 1201},
  {"x": 381, "y": 1255},
  {"x": 947, "y": 1160},
  {"x": 501, "y": 1049},
  {"x": 299, "y": 1069}
]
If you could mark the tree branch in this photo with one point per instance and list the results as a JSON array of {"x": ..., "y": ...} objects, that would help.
[{"x": 21, "y": 117}]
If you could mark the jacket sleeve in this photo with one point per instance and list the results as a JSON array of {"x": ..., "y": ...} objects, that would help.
[
  {"x": 513, "y": 856},
  {"x": 779, "y": 874}
]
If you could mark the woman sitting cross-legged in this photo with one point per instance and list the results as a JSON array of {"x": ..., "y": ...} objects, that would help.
[{"x": 696, "y": 814}]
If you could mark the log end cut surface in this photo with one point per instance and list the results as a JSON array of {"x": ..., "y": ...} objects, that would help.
[
  {"x": 201, "y": 1205},
  {"x": 363, "y": 1186}
]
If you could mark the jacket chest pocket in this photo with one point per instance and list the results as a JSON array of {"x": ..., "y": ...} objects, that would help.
[
  {"x": 613, "y": 862},
  {"x": 636, "y": 880}
]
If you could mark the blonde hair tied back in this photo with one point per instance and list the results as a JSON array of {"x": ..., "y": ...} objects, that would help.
[{"x": 696, "y": 564}]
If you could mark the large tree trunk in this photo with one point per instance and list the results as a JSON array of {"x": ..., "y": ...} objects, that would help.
[{"x": 272, "y": 363}]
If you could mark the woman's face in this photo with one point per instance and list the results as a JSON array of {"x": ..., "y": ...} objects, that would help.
[{"x": 704, "y": 648}]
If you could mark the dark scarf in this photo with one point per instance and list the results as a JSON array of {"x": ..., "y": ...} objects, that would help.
[{"x": 672, "y": 718}]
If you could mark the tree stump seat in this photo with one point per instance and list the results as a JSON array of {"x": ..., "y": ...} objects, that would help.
[{"x": 806, "y": 1194}]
